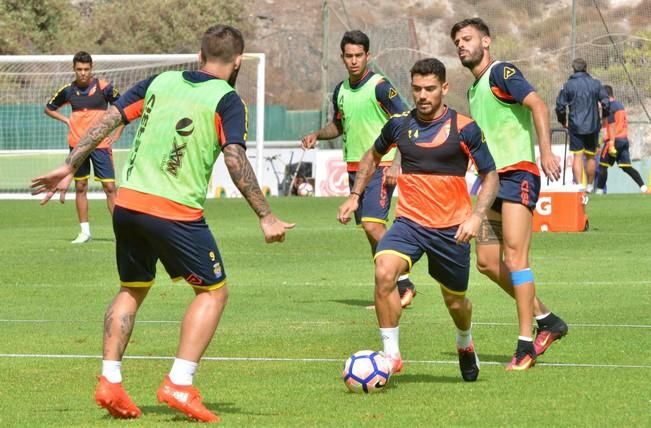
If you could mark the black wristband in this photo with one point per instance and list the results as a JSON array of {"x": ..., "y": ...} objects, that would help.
[{"x": 355, "y": 193}]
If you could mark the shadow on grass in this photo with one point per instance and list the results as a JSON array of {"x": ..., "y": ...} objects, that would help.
[
  {"x": 177, "y": 416},
  {"x": 355, "y": 302},
  {"x": 424, "y": 378}
]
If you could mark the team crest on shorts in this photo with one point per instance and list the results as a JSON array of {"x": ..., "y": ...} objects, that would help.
[{"x": 217, "y": 267}]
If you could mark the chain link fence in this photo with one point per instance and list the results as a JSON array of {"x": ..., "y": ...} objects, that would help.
[{"x": 540, "y": 38}]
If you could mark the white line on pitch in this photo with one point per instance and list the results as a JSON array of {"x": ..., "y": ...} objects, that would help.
[
  {"x": 571, "y": 325},
  {"x": 316, "y": 360},
  {"x": 323, "y": 323},
  {"x": 86, "y": 321}
]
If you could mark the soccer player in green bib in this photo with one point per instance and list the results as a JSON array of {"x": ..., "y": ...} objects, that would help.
[
  {"x": 510, "y": 113},
  {"x": 187, "y": 118},
  {"x": 363, "y": 103}
]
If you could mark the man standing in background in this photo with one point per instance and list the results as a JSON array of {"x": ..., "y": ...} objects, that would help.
[
  {"x": 89, "y": 98},
  {"x": 582, "y": 94}
]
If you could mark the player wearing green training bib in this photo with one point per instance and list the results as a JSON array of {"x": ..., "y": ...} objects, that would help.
[
  {"x": 509, "y": 111},
  {"x": 186, "y": 120},
  {"x": 362, "y": 105}
]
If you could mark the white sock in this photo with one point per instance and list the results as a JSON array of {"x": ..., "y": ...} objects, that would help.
[
  {"x": 525, "y": 338},
  {"x": 85, "y": 228},
  {"x": 391, "y": 341},
  {"x": 589, "y": 188},
  {"x": 643, "y": 188},
  {"x": 112, "y": 371},
  {"x": 404, "y": 276},
  {"x": 183, "y": 371},
  {"x": 464, "y": 338},
  {"x": 539, "y": 317}
]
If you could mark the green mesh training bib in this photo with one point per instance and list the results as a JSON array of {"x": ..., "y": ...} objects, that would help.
[
  {"x": 508, "y": 128},
  {"x": 362, "y": 119},
  {"x": 176, "y": 143}
]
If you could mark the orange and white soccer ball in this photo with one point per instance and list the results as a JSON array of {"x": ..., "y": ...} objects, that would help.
[{"x": 366, "y": 372}]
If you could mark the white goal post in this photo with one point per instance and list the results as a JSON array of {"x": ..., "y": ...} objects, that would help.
[{"x": 31, "y": 143}]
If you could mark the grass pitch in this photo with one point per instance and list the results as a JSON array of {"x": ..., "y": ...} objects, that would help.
[{"x": 297, "y": 311}]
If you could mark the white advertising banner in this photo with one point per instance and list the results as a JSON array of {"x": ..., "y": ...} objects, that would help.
[{"x": 328, "y": 170}]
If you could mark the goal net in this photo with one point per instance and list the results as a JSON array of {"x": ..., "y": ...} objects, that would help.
[{"x": 32, "y": 143}]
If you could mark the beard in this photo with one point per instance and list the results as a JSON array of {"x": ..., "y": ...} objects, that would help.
[
  {"x": 233, "y": 78},
  {"x": 473, "y": 59}
]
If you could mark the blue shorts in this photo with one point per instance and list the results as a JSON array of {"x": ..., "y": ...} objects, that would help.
[
  {"x": 448, "y": 262},
  {"x": 623, "y": 157},
  {"x": 375, "y": 201},
  {"x": 102, "y": 160},
  {"x": 517, "y": 186},
  {"x": 186, "y": 249},
  {"x": 586, "y": 143}
]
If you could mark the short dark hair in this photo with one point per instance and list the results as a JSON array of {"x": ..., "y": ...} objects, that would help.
[
  {"x": 355, "y": 37},
  {"x": 579, "y": 64},
  {"x": 82, "y": 56},
  {"x": 609, "y": 90},
  {"x": 428, "y": 66},
  {"x": 478, "y": 23},
  {"x": 222, "y": 43}
]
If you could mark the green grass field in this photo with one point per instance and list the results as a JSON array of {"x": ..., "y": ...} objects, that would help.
[{"x": 297, "y": 310}]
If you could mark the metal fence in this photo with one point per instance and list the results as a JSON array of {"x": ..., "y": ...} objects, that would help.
[{"x": 540, "y": 38}]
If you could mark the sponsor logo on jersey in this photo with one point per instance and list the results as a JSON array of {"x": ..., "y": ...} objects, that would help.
[{"x": 508, "y": 72}]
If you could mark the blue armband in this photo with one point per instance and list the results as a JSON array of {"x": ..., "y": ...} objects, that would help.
[{"x": 520, "y": 277}]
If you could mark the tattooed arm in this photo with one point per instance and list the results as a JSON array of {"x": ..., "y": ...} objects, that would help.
[
  {"x": 489, "y": 187},
  {"x": 59, "y": 179},
  {"x": 243, "y": 177},
  {"x": 94, "y": 136}
]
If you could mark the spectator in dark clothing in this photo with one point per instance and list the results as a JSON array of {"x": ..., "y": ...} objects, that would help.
[{"x": 582, "y": 95}]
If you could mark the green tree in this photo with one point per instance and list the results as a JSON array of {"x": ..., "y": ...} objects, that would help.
[{"x": 34, "y": 26}]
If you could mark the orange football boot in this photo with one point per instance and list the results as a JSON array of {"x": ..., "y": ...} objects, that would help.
[
  {"x": 115, "y": 399},
  {"x": 186, "y": 399}
]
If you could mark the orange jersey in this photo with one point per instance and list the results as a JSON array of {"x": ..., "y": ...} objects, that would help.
[
  {"x": 88, "y": 104},
  {"x": 617, "y": 122},
  {"x": 435, "y": 157}
]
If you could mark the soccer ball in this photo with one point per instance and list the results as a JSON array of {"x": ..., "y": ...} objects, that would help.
[
  {"x": 366, "y": 372},
  {"x": 305, "y": 189}
]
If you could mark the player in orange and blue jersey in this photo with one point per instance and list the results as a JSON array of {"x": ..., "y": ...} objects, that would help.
[
  {"x": 88, "y": 98},
  {"x": 362, "y": 105},
  {"x": 434, "y": 215},
  {"x": 616, "y": 147}
]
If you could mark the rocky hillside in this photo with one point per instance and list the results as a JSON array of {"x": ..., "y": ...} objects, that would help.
[{"x": 534, "y": 35}]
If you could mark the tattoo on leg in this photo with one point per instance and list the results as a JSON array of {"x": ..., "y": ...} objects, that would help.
[
  {"x": 108, "y": 320},
  {"x": 490, "y": 232},
  {"x": 127, "y": 321},
  {"x": 126, "y": 327}
]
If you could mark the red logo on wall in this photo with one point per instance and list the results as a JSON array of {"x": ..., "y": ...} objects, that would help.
[{"x": 336, "y": 182}]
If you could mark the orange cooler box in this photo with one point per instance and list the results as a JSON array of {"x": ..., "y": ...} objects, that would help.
[{"x": 560, "y": 211}]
